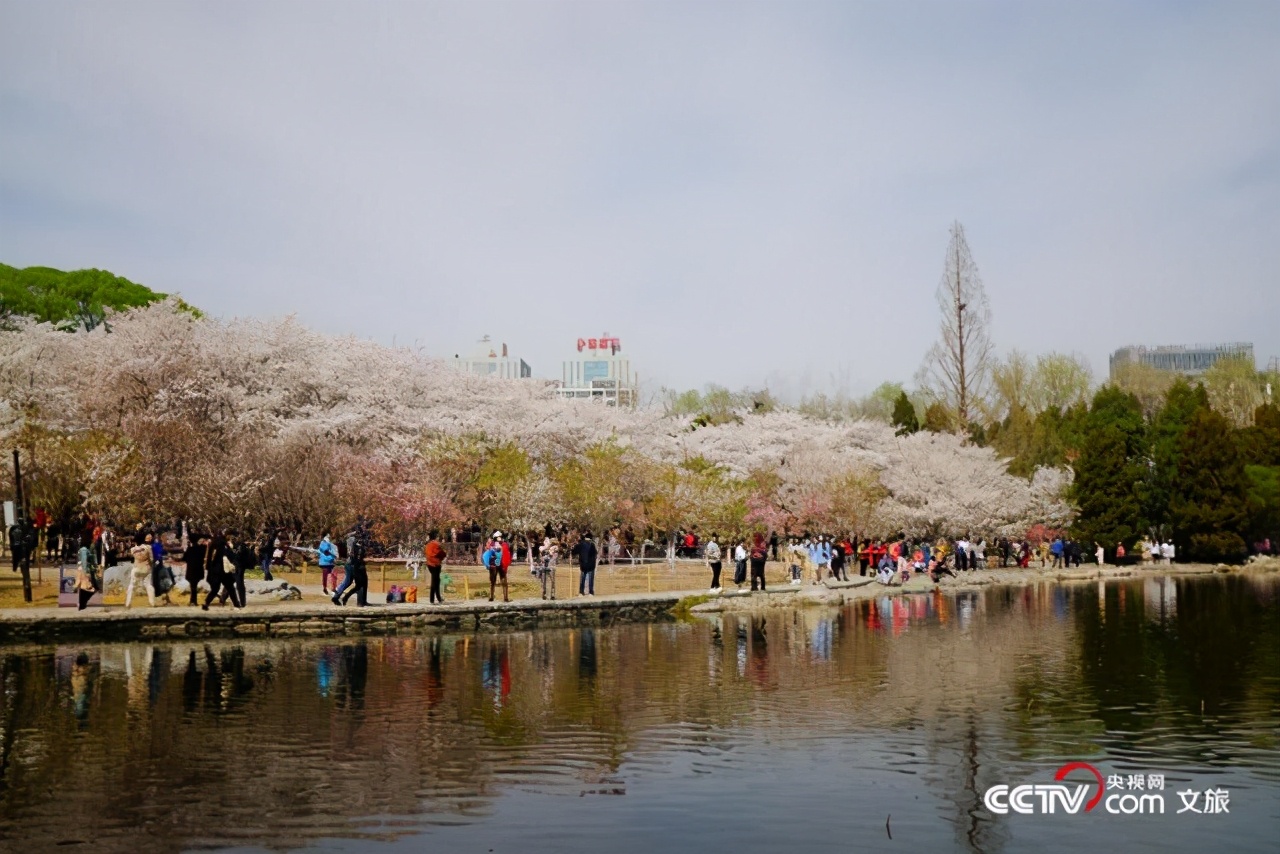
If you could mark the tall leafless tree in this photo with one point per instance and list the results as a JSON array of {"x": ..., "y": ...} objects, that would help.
[{"x": 957, "y": 369}]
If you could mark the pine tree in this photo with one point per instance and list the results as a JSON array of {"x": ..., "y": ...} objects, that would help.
[
  {"x": 1209, "y": 507},
  {"x": 904, "y": 415}
]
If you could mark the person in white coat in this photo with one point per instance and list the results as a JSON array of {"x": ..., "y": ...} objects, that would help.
[{"x": 141, "y": 572}]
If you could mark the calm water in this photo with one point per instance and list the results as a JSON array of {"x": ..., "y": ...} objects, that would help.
[{"x": 799, "y": 731}]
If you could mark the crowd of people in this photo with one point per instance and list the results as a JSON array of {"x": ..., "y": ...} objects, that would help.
[
  {"x": 220, "y": 560},
  {"x": 824, "y": 557}
]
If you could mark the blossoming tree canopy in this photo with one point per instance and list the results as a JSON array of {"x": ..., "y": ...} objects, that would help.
[{"x": 256, "y": 422}]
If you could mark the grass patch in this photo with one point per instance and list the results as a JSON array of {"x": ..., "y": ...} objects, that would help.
[{"x": 683, "y": 609}]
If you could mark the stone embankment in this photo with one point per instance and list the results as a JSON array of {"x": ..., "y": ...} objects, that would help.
[{"x": 50, "y": 625}]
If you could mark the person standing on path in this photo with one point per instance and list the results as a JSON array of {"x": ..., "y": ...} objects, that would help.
[
  {"x": 739, "y": 564},
  {"x": 712, "y": 556},
  {"x": 86, "y": 580},
  {"x": 759, "y": 554},
  {"x": 435, "y": 556},
  {"x": 193, "y": 558},
  {"x": 497, "y": 559},
  {"x": 585, "y": 552},
  {"x": 266, "y": 550},
  {"x": 327, "y": 555}
]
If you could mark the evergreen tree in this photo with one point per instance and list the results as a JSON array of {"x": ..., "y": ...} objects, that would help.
[
  {"x": 1181, "y": 402},
  {"x": 1109, "y": 471},
  {"x": 904, "y": 415},
  {"x": 1209, "y": 507},
  {"x": 1260, "y": 442}
]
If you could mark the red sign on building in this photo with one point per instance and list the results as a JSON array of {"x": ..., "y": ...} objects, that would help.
[{"x": 603, "y": 343}]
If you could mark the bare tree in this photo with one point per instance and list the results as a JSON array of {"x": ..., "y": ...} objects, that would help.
[{"x": 957, "y": 369}]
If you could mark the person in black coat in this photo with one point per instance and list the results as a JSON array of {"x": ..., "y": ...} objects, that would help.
[
  {"x": 193, "y": 557},
  {"x": 220, "y": 581},
  {"x": 587, "y": 555}
]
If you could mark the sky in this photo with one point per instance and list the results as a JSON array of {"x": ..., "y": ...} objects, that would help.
[{"x": 742, "y": 193}]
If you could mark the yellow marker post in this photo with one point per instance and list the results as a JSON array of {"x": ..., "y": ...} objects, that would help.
[
  {"x": 650, "y": 571},
  {"x": 466, "y": 588},
  {"x": 384, "y": 578}
]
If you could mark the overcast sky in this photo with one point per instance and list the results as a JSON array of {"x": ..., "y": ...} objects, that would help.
[{"x": 742, "y": 193}]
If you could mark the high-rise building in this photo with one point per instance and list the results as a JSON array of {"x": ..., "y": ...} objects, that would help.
[
  {"x": 492, "y": 360},
  {"x": 599, "y": 373},
  {"x": 1180, "y": 359}
]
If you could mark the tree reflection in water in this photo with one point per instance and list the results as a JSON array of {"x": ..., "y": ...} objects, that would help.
[{"x": 166, "y": 747}]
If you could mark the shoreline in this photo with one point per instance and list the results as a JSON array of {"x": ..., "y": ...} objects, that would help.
[
  {"x": 859, "y": 588},
  {"x": 25, "y": 626}
]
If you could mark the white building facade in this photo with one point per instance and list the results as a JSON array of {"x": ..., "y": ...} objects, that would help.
[
  {"x": 600, "y": 373},
  {"x": 492, "y": 360}
]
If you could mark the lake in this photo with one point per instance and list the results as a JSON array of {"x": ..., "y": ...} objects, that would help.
[{"x": 899, "y": 724}]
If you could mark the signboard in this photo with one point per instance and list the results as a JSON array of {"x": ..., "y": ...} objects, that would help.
[
  {"x": 613, "y": 345},
  {"x": 9, "y": 514}
]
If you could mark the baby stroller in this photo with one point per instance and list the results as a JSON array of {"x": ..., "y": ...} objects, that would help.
[{"x": 545, "y": 571}]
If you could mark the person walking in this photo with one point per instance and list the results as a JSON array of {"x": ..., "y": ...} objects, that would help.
[
  {"x": 141, "y": 572},
  {"x": 217, "y": 564},
  {"x": 193, "y": 561},
  {"x": 348, "y": 576},
  {"x": 435, "y": 556},
  {"x": 357, "y": 575},
  {"x": 585, "y": 551},
  {"x": 327, "y": 556},
  {"x": 243, "y": 559},
  {"x": 712, "y": 556}
]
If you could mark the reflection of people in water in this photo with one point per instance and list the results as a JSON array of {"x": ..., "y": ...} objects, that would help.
[
  {"x": 759, "y": 650},
  {"x": 156, "y": 675},
  {"x": 495, "y": 674},
  {"x": 587, "y": 657},
  {"x": 324, "y": 671},
  {"x": 353, "y": 676},
  {"x": 191, "y": 684},
  {"x": 435, "y": 674},
  {"x": 81, "y": 687}
]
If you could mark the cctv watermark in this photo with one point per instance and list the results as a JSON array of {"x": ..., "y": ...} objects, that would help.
[{"x": 1079, "y": 787}]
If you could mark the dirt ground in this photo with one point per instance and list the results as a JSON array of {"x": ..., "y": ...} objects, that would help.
[{"x": 463, "y": 581}]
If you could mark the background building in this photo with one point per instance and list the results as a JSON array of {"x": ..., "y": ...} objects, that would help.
[
  {"x": 1180, "y": 359},
  {"x": 600, "y": 373},
  {"x": 492, "y": 360}
]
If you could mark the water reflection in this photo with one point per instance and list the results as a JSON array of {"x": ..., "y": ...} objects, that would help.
[{"x": 938, "y": 697}]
